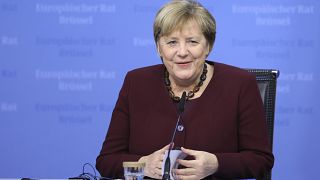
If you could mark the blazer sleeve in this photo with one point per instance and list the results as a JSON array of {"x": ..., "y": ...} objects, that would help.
[
  {"x": 254, "y": 157},
  {"x": 115, "y": 147}
]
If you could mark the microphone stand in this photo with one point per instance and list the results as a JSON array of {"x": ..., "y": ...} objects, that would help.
[{"x": 167, "y": 165}]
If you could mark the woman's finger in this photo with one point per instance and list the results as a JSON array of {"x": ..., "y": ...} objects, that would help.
[
  {"x": 187, "y": 163},
  {"x": 185, "y": 171}
]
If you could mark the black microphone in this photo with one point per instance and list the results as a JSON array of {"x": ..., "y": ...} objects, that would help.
[{"x": 182, "y": 102}]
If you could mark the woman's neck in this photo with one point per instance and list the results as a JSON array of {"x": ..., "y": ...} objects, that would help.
[{"x": 178, "y": 87}]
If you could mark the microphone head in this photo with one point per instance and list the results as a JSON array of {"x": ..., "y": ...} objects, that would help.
[{"x": 182, "y": 102}]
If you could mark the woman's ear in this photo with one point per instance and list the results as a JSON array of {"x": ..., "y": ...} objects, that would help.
[
  {"x": 208, "y": 50},
  {"x": 159, "y": 52},
  {"x": 158, "y": 49}
]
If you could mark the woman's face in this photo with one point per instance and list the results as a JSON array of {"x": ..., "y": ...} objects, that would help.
[{"x": 184, "y": 52}]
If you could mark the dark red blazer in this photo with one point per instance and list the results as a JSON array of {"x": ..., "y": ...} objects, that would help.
[{"x": 227, "y": 120}]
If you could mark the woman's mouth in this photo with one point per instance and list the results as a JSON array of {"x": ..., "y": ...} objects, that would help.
[{"x": 183, "y": 64}]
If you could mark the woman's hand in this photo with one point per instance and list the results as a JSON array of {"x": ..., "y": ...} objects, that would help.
[
  {"x": 203, "y": 165},
  {"x": 154, "y": 163}
]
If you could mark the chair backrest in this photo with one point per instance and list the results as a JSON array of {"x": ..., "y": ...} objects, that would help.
[{"x": 267, "y": 83}]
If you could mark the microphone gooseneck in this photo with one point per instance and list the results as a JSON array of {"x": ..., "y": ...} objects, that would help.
[
  {"x": 167, "y": 165},
  {"x": 182, "y": 102}
]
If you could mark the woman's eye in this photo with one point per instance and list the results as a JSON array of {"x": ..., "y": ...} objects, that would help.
[
  {"x": 194, "y": 42},
  {"x": 172, "y": 43}
]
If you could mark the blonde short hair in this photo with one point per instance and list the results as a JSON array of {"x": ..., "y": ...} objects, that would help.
[{"x": 176, "y": 13}]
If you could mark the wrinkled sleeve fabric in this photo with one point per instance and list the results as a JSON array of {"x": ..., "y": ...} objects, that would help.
[
  {"x": 254, "y": 157},
  {"x": 115, "y": 147}
]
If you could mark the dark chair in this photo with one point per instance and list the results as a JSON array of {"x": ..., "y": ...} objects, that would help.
[{"x": 267, "y": 82}]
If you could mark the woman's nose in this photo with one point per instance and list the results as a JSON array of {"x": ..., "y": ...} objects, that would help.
[{"x": 183, "y": 50}]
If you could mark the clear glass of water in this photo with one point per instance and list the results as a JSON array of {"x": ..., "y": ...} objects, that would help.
[{"x": 133, "y": 170}]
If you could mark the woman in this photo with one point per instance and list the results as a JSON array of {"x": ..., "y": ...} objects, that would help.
[{"x": 224, "y": 131}]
